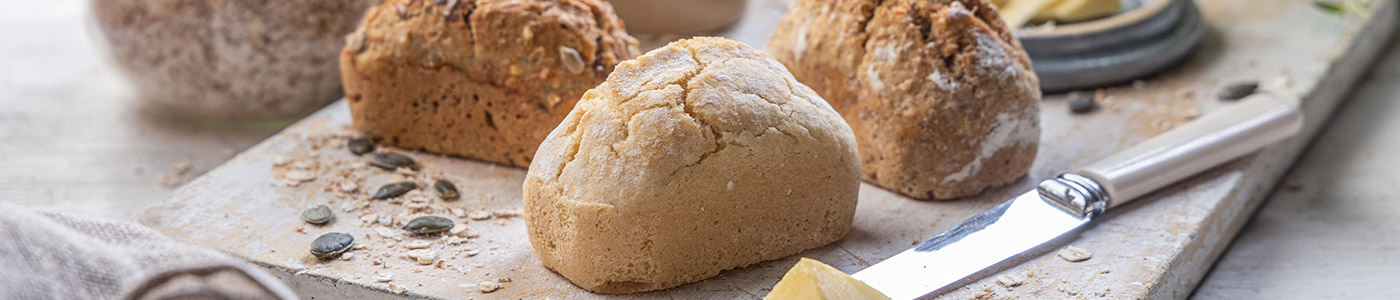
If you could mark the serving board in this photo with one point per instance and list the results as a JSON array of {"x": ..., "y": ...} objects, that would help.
[{"x": 1157, "y": 247}]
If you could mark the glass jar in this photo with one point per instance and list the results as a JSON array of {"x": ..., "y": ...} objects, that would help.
[{"x": 229, "y": 60}]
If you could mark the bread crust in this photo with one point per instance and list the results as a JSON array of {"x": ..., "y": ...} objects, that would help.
[
  {"x": 698, "y": 157},
  {"x": 482, "y": 79},
  {"x": 940, "y": 94}
]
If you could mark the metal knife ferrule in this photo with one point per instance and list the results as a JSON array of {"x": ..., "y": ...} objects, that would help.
[{"x": 1074, "y": 194}]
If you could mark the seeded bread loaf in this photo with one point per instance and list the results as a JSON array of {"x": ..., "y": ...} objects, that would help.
[
  {"x": 940, "y": 94},
  {"x": 698, "y": 157},
  {"x": 483, "y": 79}
]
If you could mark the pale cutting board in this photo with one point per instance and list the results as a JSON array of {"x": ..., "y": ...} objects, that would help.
[{"x": 1158, "y": 247}]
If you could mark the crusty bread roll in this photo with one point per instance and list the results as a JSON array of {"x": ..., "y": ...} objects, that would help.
[
  {"x": 483, "y": 79},
  {"x": 940, "y": 94},
  {"x": 700, "y": 156}
]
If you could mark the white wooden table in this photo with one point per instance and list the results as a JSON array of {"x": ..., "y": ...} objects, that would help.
[{"x": 71, "y": 140}]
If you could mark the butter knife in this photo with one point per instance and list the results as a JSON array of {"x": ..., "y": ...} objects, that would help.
[{"x": 1059, "y": 206}]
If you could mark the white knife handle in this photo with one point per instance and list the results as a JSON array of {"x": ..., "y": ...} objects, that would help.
[{"x": 1196, "y": 146}]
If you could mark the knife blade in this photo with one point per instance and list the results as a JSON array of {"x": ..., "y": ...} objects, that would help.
[{"x": 1059, "y": 206}]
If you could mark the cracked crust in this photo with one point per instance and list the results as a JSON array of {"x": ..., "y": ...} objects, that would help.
[
  {"x": 698, "y": 157},
  {"x": 940, "y": 94},
  {"x": 483, "y": 79}
]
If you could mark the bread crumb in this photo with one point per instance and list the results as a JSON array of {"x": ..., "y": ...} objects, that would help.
[
  {"x": 1075, "y": 254},
  {"x": 181, "y": 168},
  {"x": 488, "y": 287},
  {"x": 422, "y": 256},
  {"x": 985, "y": 293},
  {"x": 170, "y": 180}
]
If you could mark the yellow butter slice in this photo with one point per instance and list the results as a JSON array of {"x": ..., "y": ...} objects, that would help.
[
  {"x": 1017, "y": 13},
  {"x": 1066, "y": 11},
  {"x": 812, "y": 279}
]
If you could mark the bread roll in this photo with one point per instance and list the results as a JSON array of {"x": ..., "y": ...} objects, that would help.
[
  {"x": 483, "y": 79},
  {"x": 940, "y": 94},
  {"x": 698, "y": 157}
]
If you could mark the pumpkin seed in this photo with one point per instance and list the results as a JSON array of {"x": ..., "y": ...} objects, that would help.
[
  {"x": 1238, "y": 90},
  {"x": 394, "y": 190},
  {"x": 390, "y": 160},
  {"x": 331, "y": 244},
  {"x": 428, "y": 224},
  {"x": 445, "y": 189},
  {"x": 1083, "y": 103},
  {"x": 317, "y": 215},
  {"x": 360, "y": 146}
]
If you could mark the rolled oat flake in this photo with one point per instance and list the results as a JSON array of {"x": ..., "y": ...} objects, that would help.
[
  {"x": 428, "y": 224},
  {"x": 331, "y": 244},
  {"x": 317, "y": 215},
  {"x": 394, "y": 190}
]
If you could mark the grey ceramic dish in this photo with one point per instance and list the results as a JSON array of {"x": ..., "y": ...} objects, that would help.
[{"x": 1150, "y": 36}]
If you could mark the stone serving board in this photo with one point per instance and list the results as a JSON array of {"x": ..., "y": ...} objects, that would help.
[{"x": 1158, "y": 247}]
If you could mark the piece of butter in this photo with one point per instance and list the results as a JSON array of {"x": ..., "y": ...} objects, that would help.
[
  {"x": 1017, "y": 13},
  {"x": 1066, "y": 11},
  {"x": 812, "y": 279}
]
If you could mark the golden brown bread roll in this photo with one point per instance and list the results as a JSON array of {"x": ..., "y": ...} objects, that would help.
[
  {"x": 698, "y": 157},
  {"x": 483, "y": 79}
]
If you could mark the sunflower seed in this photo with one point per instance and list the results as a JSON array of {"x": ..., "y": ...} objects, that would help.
[
  {"x": 394, "y": 190},
  {"x": 1083, "y": 103},
  {"x": 571, "y": 59},
  {"x": 1238, "y": 90},
  {"x": 360, "y": 146},
  {"x": 390, "y": 160},
  {"x": 317, "y": 215},
  {"x": 331, "y": 244},
  {"x": 355, "y": 41},
  {"x": 428, "y": 224},
  {"x": 445, "y": 189}
]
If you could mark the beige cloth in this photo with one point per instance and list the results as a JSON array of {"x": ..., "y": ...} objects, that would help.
[{"x": 48, "y": 255}]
